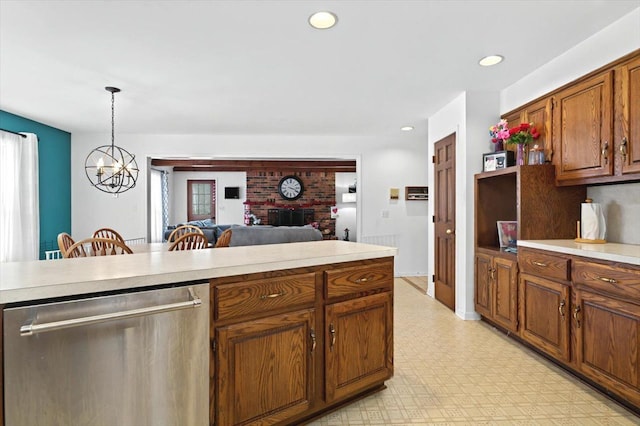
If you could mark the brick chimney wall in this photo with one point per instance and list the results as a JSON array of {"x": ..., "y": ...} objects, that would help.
[{"x": 319, "y": 194}]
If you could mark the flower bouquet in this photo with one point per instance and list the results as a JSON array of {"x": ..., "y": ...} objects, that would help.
[
  {"x": 499, "y": 133},
  {"x": 522, "y": 135}
]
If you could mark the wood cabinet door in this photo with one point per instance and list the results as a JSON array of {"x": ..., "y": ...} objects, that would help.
[
  {"x": 265, "y": 369},
  {"x": 545, "y": 314},
  {"x": 539, "y": 114},
  {"x": 582, "y": 129},
  {"x": 358, "y": 344},
  {"x": 607, "y": 333},
  {"x": 505, "y": 295},
  {"x": 627, "y": 120},
  {"x": 483, "y": 268}
]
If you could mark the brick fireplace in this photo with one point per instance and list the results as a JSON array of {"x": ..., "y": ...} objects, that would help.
[{"x": 319, "y": 194}]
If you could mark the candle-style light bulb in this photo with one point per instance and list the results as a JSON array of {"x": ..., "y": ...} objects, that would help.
[{"x": 100, "y": 166}]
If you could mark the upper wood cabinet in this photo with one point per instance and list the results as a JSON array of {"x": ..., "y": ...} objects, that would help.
[
  {"x": 590, "y": 128},
  {"x": 582, "y": 129},
  {"x": 627, "y": 117},
  {"x": 538, "y": 113}
]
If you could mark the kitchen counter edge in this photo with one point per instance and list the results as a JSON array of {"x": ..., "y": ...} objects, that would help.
[
  {"x": 35, "y": 280},
  {"x": 614, "y": 252}
]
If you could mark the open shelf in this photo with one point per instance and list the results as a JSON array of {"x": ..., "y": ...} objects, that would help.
[{"x": 529, "y": 196}]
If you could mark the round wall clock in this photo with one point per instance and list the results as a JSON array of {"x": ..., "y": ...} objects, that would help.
[{"x": 290, "y": 188}]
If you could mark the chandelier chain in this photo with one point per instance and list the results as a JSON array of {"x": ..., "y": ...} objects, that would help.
[{"x": 113, "y": 121}]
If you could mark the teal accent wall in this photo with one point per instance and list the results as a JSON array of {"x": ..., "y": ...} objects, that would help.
[{"x": 54, "y": 161}]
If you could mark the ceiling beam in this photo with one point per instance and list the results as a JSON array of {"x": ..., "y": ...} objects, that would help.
[{"x": 191, "y": 165}]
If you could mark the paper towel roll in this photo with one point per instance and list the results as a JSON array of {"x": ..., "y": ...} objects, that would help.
[{"x": 593, "y": 225}]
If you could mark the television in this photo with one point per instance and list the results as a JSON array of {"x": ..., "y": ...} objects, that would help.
[{"x": 232, "y": 192}]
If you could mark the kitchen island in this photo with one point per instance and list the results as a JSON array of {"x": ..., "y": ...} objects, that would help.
[{"x": 295, "y": 329}]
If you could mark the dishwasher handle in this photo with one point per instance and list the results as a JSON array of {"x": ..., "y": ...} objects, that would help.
[{"x": 31, "y": 329}]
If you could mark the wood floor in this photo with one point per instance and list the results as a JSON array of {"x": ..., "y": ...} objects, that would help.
[{"x": 450, "y": 371}]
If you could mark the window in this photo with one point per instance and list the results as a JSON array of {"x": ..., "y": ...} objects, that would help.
[{"x": 201, "y": 199}]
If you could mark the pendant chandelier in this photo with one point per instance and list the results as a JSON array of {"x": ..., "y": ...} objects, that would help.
[{"x": 110, "y": 168}]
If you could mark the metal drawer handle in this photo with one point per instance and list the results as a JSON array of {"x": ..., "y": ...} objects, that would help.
[
  {"x": 544, "y": 265},
  {"x": 272, "y": 295},
  {"x": 605, "y": 152},
  {"x": 332, "y": 331},
  {"x": 362, "y": 280},
  {"x": 607, "y": 280},
  {"x": 313, "y": 340},
  {"x": 576, "y": 311},
  {"x": 623, "y": 148},
  {"x": 30, "y": 329},
  {"x": 561, "y": 309}
]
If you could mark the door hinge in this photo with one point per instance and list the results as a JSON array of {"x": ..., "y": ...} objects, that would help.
[
  {"x": 433, "y": 219},
  {"x": 433, "y": 159},
  {"x": 433, "y": 278},
  {"x": 213, "y": 345}
]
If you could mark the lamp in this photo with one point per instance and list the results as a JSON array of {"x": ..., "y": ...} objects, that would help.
[{"x": 110, "y": 168}]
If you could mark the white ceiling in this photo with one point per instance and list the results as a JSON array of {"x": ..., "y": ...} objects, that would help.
[{"x": 257, "y": 67}]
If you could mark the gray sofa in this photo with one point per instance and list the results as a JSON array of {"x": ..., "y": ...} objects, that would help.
[
  {"x": 259, "y": 235},
  {"x": 210, "y": 229}
]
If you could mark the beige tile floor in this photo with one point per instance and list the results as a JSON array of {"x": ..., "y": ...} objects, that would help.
[{"x": 450, "y": 371}]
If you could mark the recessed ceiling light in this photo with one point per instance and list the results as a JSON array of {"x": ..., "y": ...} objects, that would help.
[
  {"x": 406, "y": 128},
  {"x": 490, "y": 60},
  {"x": 323, "y": 20}
]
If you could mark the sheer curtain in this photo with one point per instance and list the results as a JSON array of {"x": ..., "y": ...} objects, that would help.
[
  {"x": 19, "y": 209},
  {"x": 155, "y": 188}
]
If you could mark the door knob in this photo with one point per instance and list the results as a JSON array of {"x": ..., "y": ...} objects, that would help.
[{"x": 449, "y": 231}]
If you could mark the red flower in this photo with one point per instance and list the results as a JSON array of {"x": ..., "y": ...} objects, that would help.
[{"x": 523, "y": 134}]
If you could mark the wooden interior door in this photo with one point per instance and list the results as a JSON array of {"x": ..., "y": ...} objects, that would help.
[{"x": 445, "y": 221}]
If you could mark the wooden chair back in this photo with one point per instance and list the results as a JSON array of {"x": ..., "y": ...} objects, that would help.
[
  {"x": 224, "y": 239},
  {"x": 182, "y": 230},
  {"x": 105, "y": 233},
  {"x": 106, "y": 247},
  {"x": 65, "y": 241},
  {"x": 190, "y": 241}
]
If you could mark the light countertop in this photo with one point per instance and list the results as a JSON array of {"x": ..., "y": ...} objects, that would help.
[
  {"x": 624, "y": 253},
  {"x": 24, "y": 281}
]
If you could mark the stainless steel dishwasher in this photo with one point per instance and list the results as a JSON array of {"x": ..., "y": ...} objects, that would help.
[{"x": 137, "y": 358}]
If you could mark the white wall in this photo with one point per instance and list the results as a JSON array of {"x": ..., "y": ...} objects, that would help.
[
  {"x": 382, "y": 162},
  {"x": 616, "y": 40},
  {"x": 227, "y": 211}
]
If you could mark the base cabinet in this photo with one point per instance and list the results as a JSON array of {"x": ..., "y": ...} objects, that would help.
[
  {"x": 586, "y": 315},
  {"x": 290, "y": 345},
  {"x": 258, "y": 357},
  {"x": 607, "y": 333},
  {"x": 496, "y": 289},
  {"x": 359, "y": 349},
  {"x": 545, "y": 315}
]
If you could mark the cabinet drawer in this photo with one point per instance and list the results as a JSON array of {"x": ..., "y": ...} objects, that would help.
[
  {"x": 544, "y": 265},
  {"x": 356, "y": 279},
  {"x": 263, "y": 295},
  {"x": 610, "y": 279}
]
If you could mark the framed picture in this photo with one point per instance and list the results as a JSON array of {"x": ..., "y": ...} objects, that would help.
[
  {"x": 497, "y": 160},
  {"x": 507, "y": 233}
]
